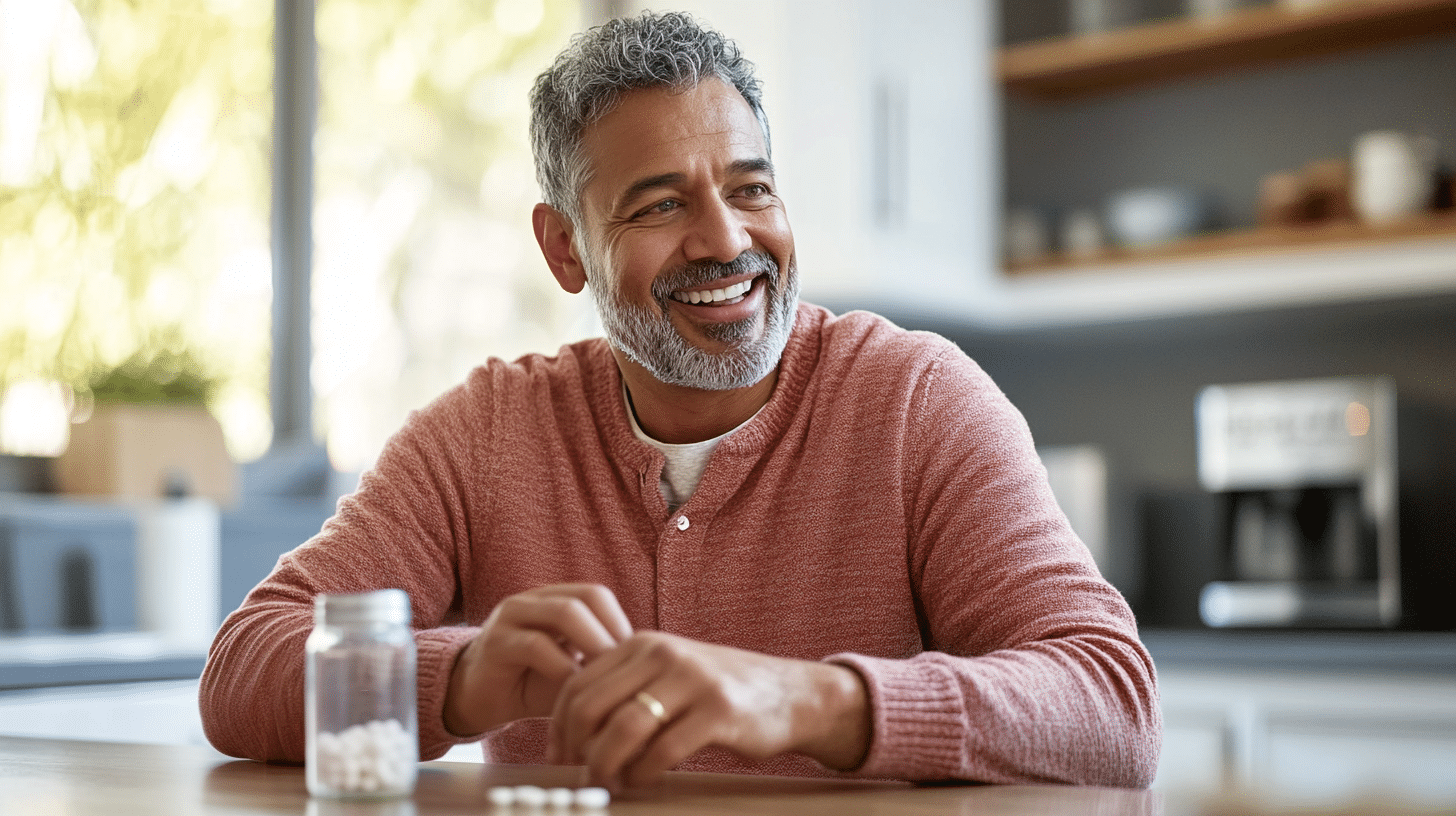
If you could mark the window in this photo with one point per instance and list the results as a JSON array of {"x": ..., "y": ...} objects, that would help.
[
  {"x": 135, "y": 147},
  {"x": 424, "y": 261}
]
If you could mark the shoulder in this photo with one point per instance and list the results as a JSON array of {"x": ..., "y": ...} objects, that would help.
[
  {"x": 507, "y": 391},
  {"x": 861, "y": 345}
]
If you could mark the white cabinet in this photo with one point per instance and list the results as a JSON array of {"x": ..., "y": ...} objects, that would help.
[{"x": 1309, "y": 736}]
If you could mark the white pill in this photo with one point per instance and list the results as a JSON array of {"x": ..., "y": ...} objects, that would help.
[
  {"x": 530, "y": 795},
  {"x": 593, "y": 798},
  {"x": 501, "y": 796},
  {"x": 559, "y": 797}
]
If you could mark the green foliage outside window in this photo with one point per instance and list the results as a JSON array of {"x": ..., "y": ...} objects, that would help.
[
  {"x": 425, "y": 263},
  {"x": 134, "y": 153},
  {"x": 134, "y": 204}
]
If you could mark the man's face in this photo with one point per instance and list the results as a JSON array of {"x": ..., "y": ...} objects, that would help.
[{"x": 686, "y": 244}]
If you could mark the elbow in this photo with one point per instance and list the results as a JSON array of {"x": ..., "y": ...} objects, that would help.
[
  {"x": 1133, "y": 763},
  {"x": 252, "y": 714},
  {"x": 1151, "y": 747}
]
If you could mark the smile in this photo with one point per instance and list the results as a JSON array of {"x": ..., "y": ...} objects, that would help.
[{"x": 725, "y": 295}]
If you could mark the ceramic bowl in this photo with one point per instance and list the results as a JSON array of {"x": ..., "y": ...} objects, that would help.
[{"x": 1156, "y": 215}]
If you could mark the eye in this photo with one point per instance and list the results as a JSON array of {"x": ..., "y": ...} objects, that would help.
[
  {"x": 666, "y": 205},
  {"x": 755, "y": 194}
]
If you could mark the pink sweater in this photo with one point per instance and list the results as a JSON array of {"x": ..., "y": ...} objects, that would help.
[{"x": 885, "y": 510}]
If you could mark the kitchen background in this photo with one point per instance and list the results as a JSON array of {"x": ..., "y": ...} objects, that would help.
[{"x": 905, "y": 161}]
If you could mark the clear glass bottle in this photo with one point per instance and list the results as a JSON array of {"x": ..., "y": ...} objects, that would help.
[{"x": 362, "y": 736}]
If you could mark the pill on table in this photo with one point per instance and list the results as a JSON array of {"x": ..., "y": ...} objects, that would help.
[
  {"x": 595, "y": 798},
  {"x": 560, "y": 797},
  {"x": 530, "y": 795},
  {"x": 501, "y": 796}
]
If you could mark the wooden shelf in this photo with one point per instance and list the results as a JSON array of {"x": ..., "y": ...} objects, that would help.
[
  {"x": 1261, "y": 241},
  {"x": 1082, "y": 66}
]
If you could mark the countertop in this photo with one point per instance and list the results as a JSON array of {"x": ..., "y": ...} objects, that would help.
[
  {"x": 1342, "y": 651},
  {"x": 33, "y": 661}
]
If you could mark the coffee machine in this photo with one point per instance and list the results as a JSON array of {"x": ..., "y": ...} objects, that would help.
[{"x": 1308, "y": 476}]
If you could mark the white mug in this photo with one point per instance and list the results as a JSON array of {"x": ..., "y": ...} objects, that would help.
[{"x": 1393, "y": 173}]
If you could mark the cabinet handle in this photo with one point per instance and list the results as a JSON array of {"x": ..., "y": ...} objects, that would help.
[{"x": 891, "y": 151}]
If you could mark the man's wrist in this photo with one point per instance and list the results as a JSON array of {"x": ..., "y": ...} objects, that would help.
[
  {"x": 454, "y": 712},
  {"x": 837, "y": 724}
]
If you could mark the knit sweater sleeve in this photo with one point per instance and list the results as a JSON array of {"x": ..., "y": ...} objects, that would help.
[
  {"x": 405, "y": 527},
  {"x": 1033, "y": 670}
]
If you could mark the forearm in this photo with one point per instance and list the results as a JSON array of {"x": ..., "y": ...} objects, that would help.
[{"x": 1072, "y": 711}]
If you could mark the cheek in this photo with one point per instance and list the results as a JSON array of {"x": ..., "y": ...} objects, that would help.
[
  {"x": 640, "y": 259},
  {"x": 774, "y": 219},
  {"x": 774, "y": 234}
]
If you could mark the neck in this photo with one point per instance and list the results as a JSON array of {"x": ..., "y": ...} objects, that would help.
[{"x": 679, "y": 415}]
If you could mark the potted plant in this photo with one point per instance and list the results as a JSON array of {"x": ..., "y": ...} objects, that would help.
[{"x": 146, "y": 432}]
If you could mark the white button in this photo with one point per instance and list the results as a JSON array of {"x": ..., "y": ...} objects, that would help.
[{"x": 682, "y": 522}]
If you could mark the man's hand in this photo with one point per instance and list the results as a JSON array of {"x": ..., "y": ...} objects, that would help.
[
  {"x": 750, "y": 703},
  {"x": 531, "y": 643}
]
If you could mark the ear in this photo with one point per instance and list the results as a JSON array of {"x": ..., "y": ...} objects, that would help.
[{"x": 554, "y": 235}]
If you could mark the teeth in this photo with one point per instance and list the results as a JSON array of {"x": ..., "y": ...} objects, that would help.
[{"x": 714, "y": 295}]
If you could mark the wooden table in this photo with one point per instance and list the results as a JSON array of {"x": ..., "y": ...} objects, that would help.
[{"x": 67, "y": 778}]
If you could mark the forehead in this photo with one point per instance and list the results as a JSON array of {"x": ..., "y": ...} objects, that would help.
[{"x": 654, "y": 131}]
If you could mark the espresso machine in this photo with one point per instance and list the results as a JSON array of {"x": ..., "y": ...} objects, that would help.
[{"x": 1308, "y": 479}]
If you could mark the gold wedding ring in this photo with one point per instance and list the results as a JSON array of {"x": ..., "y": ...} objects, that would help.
[{"x": 654, "y": 706}]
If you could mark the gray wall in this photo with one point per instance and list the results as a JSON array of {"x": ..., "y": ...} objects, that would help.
[{"x": 1130, "y": 388}]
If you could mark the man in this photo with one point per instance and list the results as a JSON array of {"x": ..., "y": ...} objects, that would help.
[{"x": 738, "y": 534}]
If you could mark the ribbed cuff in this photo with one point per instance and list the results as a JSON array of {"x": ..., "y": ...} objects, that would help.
[
  {"x": 437, "y": 650},
  {"x": 918, "y": 716}
]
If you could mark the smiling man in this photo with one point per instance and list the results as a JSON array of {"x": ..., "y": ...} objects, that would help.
[
  {"x": 739, "y": 533},
  {"x": 690, "y": 250}
]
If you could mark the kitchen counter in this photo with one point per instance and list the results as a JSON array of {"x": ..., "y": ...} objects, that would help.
[
  {"x": 1304, "y": 650},
  {"x": 57, "y": 660}
]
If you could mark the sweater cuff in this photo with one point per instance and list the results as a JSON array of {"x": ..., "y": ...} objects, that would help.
[
  {"x": 918, "y": 718},
  {"x": 436, "y": 653}
]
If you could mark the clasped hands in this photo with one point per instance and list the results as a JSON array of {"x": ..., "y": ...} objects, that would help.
[{"x": 630, "y": 705}]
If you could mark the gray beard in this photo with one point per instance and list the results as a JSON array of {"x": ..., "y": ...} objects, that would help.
[{"x": 648, "y": 338}]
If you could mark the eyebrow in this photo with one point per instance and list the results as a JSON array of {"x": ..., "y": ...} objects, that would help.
[{"x": 739, "y": 167}]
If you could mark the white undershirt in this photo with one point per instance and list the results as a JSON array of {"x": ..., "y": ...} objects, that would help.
[{"x": 685, "y": 463}]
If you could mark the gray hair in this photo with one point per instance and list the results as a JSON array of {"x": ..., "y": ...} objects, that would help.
[{"x": 651, "y": 50}]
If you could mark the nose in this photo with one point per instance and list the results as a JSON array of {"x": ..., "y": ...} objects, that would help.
[{"x": 719, "y": 232}]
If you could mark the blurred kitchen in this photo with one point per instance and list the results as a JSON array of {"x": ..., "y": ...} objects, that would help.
[{"x": 1207, "y": 247}]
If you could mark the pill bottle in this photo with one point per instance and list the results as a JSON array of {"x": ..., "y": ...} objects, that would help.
[{"x": 362, "y": 737}]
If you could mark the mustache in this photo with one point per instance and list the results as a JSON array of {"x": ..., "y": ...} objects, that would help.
[{"x": 697, "y": 273}]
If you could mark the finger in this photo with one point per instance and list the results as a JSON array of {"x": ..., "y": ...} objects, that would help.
[
  {"x": 538, "y": 651},
  {"x": 589, "y": 697},
  {"x": 605, "y": 606},
  {"x": 564, "y": 616},
  {"x": 625, "y": 736},
  {"x": 684, "y": 736}
]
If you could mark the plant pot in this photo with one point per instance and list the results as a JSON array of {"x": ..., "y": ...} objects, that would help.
[{"x": 148, "y": 451}]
